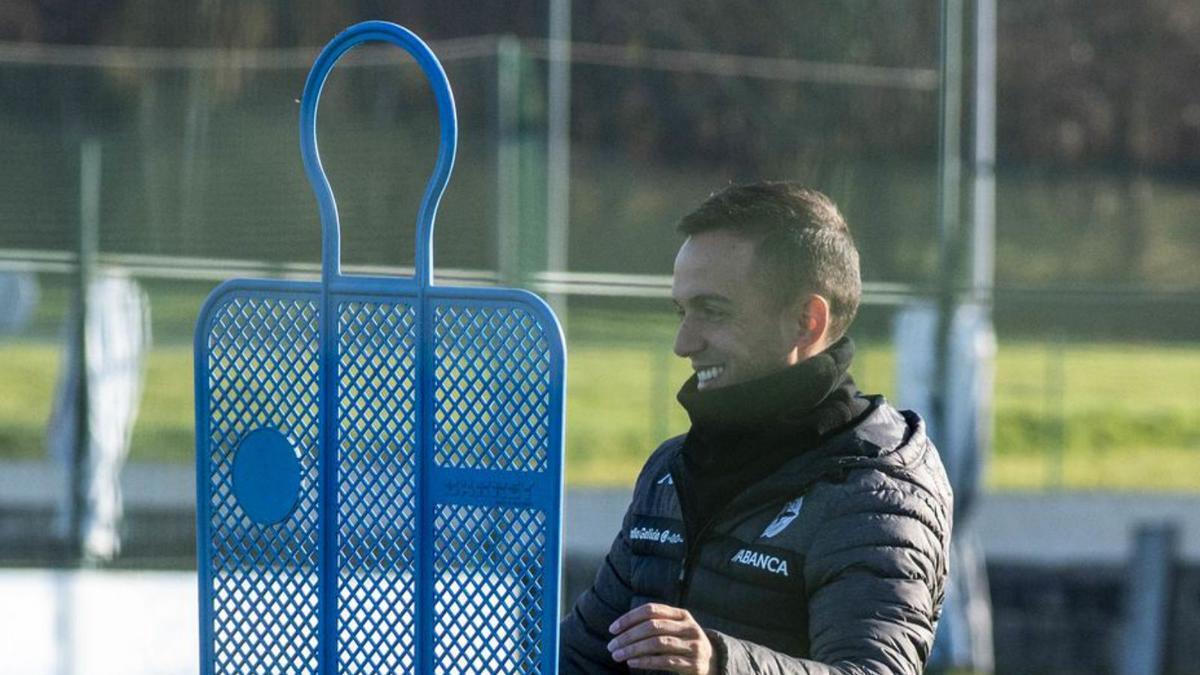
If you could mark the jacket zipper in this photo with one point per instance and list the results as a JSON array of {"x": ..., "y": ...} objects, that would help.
[
  {"x": 685, "y": 576},
  {"x": 693, "y": 545}
]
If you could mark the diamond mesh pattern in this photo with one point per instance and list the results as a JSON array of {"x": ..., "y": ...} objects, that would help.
[
  {"x": 492, "y": 389},
  {"x": 376, "y": 487},
  {"x": 488, "y": 589},
  {"x": 262, "y": 366}
]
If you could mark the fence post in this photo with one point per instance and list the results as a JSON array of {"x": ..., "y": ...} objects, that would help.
[
  {"x": 89, "y": 226},
  {"x": 558, "y": 149},
  {"x": 1056, "y": 410},
  {"x": 508, "y": 161},
  {"x": 949, "y": 216},
  {"x": 661, "y": 391},
  {"x": 1148, "y": 598}
]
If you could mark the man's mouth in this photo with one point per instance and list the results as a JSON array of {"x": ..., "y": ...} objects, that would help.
[{"x": 708, "y": 374}]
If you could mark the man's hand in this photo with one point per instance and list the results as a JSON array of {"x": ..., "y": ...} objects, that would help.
[{"x": 661, "y": 637}]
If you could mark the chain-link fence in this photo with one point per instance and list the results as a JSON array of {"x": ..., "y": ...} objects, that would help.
[{"x": 199, "y": 179}]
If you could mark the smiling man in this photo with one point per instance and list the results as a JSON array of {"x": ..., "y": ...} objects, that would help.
[{"x": 799, "y": 526}]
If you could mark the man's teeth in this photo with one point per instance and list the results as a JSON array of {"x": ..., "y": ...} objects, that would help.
[{"x": 705, "y": 374}]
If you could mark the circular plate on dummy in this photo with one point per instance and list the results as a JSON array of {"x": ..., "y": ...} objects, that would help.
[{"x": 266, "y": 476}]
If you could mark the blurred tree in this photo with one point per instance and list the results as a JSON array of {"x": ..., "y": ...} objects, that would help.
[
  {"x": 1103, "y": 85},
  {"x": 708, "y": 121},
  {"x": 1080, "y": 80},
  {"x": 1100, "y": 81},
  {"x": 20, "y": 21}
]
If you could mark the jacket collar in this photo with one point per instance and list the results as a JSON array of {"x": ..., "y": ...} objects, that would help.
[{"x": 885, "y": 439}]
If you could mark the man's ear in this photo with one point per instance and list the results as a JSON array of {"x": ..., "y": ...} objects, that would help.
[{"x": 812, "y": 325}]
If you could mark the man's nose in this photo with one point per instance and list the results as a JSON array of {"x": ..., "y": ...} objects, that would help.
[{"x": 687, "y": 341}]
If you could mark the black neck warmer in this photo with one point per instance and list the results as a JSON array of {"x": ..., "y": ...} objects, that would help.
[{"x": 744, "y": 431}]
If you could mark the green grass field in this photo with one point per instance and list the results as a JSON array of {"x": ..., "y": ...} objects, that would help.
[{"x": 1112, "y": 415}]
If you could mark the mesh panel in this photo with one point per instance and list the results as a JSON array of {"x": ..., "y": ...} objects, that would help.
[
  {"x": 491, "y": 410},
  {"x": 489, "y": 570},
  {"x": 492, "y": 389},
  {"x": 376, "y": 488},
  {"x": 262, "y": 366}
]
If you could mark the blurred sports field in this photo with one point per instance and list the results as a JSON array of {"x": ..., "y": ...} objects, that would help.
[{"x": 1111, "y": 415}]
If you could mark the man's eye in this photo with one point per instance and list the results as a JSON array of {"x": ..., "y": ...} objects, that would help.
[{"x": 703, "y": 313}]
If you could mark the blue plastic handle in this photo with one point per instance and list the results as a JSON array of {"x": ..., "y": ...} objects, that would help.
[{"x": 377, "y": 31}]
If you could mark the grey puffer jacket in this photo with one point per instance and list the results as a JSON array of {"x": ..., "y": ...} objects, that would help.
[{"x": 835, "y": 563}]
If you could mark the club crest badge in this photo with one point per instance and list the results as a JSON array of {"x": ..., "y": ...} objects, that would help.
[{"x": 785, "y": 518}]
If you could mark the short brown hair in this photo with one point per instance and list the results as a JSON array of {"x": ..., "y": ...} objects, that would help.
[{"x": 804, "y": 244}]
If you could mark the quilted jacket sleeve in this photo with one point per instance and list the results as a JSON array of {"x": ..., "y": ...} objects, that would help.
[
  {"x": 584, "y": 632},
  {"x": 875, "y": 575}
]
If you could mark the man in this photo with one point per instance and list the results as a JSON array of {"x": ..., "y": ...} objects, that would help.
[{"x": 799, "y": 526}]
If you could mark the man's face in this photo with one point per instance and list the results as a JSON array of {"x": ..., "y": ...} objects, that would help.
[{"x": 730, "y": 327}]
